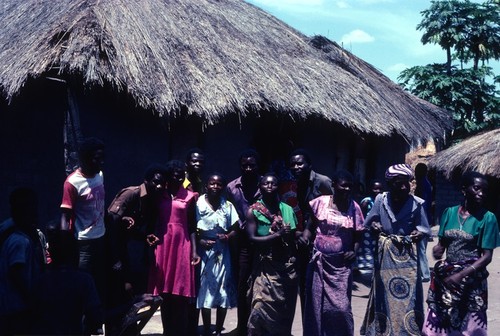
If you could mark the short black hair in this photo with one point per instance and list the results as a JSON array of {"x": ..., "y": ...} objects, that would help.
[
  {"x": 172, "y": 166},
  {"x": 250, "y": 152},
  {"x": 153, "y": 169},
  {"x": 192, "y": 151},
  {"x": 88, "y": 147},
  {"x": 303, "y": 152},
  {"x": 468, "y": 178},
  {"x": 342, "y": 175},
  {"x": 269, "y": 174},
  {"x": 215, "y": 173},
  {"x": 421, "y": 169},
  {"x": 20, "y": 196}
]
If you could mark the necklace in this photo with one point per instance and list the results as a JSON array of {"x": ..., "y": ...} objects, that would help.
[{"x": 462, "y": 218}]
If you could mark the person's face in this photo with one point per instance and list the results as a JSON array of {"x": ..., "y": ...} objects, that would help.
[
  {"x": 342, "y": 189},
  {"x": 249, "y": 167},
  {"x": 26, "y": 214},
  {"x": 177, "y": 178},
  {"x": 476, "y": 192},
  {"x": 196, "y": 163},
  {"x": 299, "y": 166},
  {"x": 215, "y": 185},
  {"x": 400, "y": 187},
  {"x": 156, "y": 185},
  {"x": 377, "y": 188},
  {"x": 95, "y": 162},
  {"x": 268, "y": 185}
]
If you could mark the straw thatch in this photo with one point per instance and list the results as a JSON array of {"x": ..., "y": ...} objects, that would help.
[
  {"x": 207, "y": 57},
  {"x": 479, "y": 153}
]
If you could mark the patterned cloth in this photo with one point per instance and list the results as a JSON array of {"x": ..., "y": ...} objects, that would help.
[
  {"x": 216, "y": 280},
  {"x": 328, "y": 308},
  {"x": 367, "y": 245},
  {"x": 335, "y": 229},
  {"x": 456, "y": 311},
  {"x": 401, "y": 169},
  {"x": 395, "y": 303}
]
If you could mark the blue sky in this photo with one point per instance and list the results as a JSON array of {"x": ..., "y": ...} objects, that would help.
[{"x": 381, "y": 32}]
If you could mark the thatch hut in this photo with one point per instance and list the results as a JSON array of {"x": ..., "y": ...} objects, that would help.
[
  {"x": 153, "y": 78},
  {"x": 479, "y": 153}
]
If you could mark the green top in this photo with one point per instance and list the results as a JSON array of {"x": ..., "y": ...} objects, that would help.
[
  {"x": 264, "y": 224},
  {"x": 484, "y": 229}
]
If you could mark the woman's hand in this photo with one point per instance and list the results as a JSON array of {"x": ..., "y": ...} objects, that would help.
[
  {"x": 284, "y": 229},
  {"x": 222, "y": 237},
  {"x": 305, "y": 237},
  {"x": 416, "y": 236},
  {"x": 152, "y": 240},
  {"x": 438, "y": 251},
  {"x": 287, "y": 228},
  {"x": 454, "y": 279},
  {"x": 207, "y": 243},
  {"x": 376, "y": 227},
  {"x": 349, "y": 256},
  {"x": 195, "y": 259}
]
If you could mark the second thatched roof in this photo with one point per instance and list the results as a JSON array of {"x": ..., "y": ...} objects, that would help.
[
  {"x": 209, "y": 58},
  {"x": 479, "y": 153}
]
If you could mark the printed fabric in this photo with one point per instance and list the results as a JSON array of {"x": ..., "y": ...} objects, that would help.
[{"x": 395, "y": 302}]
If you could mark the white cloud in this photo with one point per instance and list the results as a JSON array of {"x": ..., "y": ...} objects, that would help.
[
  {"x": 357, "y": 36},
  {"x": 343, "y": 4}
]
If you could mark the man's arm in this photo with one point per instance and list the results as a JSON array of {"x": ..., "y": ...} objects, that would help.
[
  {"x": 70, "y": 195},
  {"x": 66, "y": 219},
  {"x": 16, "y": 259}
]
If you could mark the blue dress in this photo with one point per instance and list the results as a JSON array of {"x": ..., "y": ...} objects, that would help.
[{"x": 217, "y": 288}]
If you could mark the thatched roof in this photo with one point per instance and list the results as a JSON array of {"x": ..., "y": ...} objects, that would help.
[
  {"x": 207, "y": 57},
  {"x": 479, "y": 153}
]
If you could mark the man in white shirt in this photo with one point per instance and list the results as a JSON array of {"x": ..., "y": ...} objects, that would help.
[{"x": 83, "y": 209}]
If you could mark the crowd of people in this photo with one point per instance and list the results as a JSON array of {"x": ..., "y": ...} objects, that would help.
[{"x": 208, "y": 243}]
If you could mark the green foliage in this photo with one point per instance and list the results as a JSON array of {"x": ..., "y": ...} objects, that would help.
[{"x": 470, "y": 33}]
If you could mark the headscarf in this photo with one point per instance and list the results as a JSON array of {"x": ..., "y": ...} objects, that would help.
[{"x": 396, "y": 170}]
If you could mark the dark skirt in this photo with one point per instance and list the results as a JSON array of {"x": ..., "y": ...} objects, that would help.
[
  {"x": 273, "y": 295},
  {"x": 328, "y": 296}
]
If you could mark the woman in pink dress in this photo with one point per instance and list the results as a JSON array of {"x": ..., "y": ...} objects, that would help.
[
  {"x": 338, "y": 227},
  {"x": 173, "y": 274}
]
